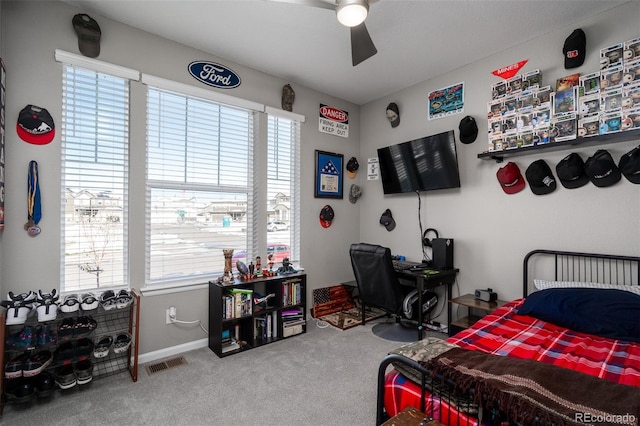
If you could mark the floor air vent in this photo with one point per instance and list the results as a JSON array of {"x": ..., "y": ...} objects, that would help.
[{"x": 165, "y": 365}]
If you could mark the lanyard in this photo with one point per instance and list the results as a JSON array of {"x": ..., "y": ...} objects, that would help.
[{"x": 34, "y": 208}]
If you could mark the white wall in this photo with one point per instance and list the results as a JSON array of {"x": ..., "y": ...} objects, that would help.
[
  {"x": 493, "y": 231},
  {"x": 31, "y": 31}
]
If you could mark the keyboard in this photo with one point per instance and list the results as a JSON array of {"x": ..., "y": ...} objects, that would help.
[{"x": 403, "y": 265}]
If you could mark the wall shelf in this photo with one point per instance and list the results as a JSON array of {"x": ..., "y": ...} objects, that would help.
[{"x": 499, "y": 156}]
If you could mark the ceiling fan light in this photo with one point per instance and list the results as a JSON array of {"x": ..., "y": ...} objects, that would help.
[{"x": 352, "y": 13}]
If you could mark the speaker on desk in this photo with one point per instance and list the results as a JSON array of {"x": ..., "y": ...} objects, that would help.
[{"x": 442, "y": 253}]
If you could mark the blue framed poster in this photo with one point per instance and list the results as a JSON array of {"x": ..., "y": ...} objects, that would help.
[{"x": 329, "y": 175}]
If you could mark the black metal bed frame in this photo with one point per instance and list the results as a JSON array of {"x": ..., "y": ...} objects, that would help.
[{"x": 566, "y": 266}]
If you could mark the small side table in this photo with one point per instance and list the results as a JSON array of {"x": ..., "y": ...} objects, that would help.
[
  {"x": 470, "y": 301},
  {"x": 411, "y": 416}
]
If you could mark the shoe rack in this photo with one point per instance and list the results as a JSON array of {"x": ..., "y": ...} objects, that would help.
[{"x": 109, "y": 323}]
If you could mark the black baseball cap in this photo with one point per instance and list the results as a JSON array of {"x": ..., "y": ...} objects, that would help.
[
  {"x": 387, "y": 220},
  {"x": 326, "y": 216},
  {"x": 601, "y": 169},
  {"x": 35, "y": 125},
  {"x": 570, "y": 172},
  {"x": 574, "y": 49},
  {"x": 352, "y": 167},
  {"x": 89, "y": 34},
  {"x": 629, "y": 165},
  {"x": 540, "y": 178},
  {"x": 468, "y": 129}
]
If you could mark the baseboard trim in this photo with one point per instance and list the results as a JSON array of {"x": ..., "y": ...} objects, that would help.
[{"x": 173, "y": 350}]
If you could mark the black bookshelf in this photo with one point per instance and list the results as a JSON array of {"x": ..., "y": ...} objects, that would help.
[
  {"x": 237, "y": 323},
  {"x": 607, "y": 139}
]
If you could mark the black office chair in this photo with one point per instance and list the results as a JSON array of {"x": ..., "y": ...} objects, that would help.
[{"x": 378, "y": 287}]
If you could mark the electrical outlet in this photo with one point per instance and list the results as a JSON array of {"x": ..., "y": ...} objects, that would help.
[{"x": 171, "y": 314}]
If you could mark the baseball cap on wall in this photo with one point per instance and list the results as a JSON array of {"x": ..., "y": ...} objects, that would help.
[
  {"x": 354, "y": 193},
  {"x": 540, "y": 178},
  {"x": 326, "y": 216},
  {"x": 629, "y": 165},
  {"x": 468, "y": 129},
  {"x": 387, "y": 220},
  {"x": 352, "y": 167},
  {"x": 574, "y": 49},
  {"x": 601, "y": 169},
  {"x": 35, "y": 125},
  {"x": 393, "y": 114},
  {"x": 571, "y": 173},
  {"x": 89, "y": 34},
  {"x": 510, "y": 178}
]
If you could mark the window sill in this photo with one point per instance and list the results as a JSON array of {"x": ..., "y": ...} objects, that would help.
[
  {"x": 160, "y": 289},
  {"x": 181, "y": 286}
]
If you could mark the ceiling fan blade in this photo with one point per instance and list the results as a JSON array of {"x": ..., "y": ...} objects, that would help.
[
  {"x": 362, "y": 47},
  {"x": 331, "y": 5}
]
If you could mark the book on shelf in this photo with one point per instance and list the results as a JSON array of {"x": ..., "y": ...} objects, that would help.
[
  {"x": 292, "y": 322},
  {"x": 274, "y": 323},
  {"x": 237, "y": 303},
  {"x": 231, "y": 346},
  {"x": 291, "y": 292}
]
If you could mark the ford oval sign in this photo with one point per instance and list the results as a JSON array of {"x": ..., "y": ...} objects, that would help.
[{"x": 213, "y": 74}]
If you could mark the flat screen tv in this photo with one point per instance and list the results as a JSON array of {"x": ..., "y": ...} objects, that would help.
[{"x": 423, "y": 164}]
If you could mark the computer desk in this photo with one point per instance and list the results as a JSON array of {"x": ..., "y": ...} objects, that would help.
[{"x": 427, "y": 279}]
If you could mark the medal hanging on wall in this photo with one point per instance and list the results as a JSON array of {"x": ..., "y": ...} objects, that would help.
[{"x": 33, "y": 201}]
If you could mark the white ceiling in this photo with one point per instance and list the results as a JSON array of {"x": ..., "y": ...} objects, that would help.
[{"x": 416, "y": 40}]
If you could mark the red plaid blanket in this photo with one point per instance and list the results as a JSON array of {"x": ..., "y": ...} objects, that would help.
[{"x": 502, "y": 332}]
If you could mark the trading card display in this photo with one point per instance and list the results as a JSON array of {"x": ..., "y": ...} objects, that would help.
[{"x": 522, "y": 112}]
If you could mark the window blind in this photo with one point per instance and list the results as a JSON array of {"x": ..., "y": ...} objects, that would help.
[
  {"x": 94, "y": 142},
  {"x": 199, "y": 185}
]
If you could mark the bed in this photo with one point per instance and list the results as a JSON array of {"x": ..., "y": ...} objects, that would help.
[{"x": 576, "y": 327}]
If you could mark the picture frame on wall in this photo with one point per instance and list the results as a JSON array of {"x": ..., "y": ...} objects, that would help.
[{"x": 328, "y": 174}]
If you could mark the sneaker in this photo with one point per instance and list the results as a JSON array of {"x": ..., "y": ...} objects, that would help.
[
  {"x": 123, "y": 299},
  {"x": 22, "y": 298},
  {"x": 84, "y": 372},
  {"x": 47, "y": 306},
  {"x": 108, "y": 300},
  {"x": 45, "y": 385},
  {"x": 84, "y": 326},
  {"x": 46, "y": 335},
  {"x": 36, "y": 363},
  {"x": 19, "y": 390},
  {"x": 64, "y": 353},
  {"x": 83, "y": 349},
  {"x": 24, "y": 339},
  {"x": 66, "y": 329},
  {"x": 89, "y": 302},
  {"x": 18, "y": 307},
  {"x": 102, "y": 347},
  {"x": 70, "y": 303},
  {"x": 122, "y": 343},
  {"x": 65, "y": 376},
  {"x": 14, "y": 368},
  {"x": 17, "y": 315}
]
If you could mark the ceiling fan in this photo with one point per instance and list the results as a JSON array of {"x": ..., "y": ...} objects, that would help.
[{"x": 352, "y": 14}]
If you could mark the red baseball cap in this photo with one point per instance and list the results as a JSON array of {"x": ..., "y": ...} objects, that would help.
[{"x": 510, "y": 178}]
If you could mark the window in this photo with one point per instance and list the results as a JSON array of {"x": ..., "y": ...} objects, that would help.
[
  {"x": 95, "y": 137},
  {"x": 199, "y": 185},
  {"x": 282, "y": 183}
]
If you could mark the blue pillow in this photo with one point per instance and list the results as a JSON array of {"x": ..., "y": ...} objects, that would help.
[{"x": 603, "y": 312}]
